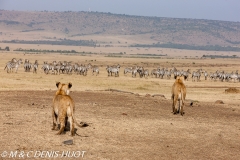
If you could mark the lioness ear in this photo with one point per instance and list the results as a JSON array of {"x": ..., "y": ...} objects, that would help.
[
  {"x": 57, "y": 84},
  {"x": 69, "y": 85}
]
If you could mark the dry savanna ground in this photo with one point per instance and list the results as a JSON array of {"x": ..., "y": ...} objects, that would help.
[{"x": 122, "y": 125}]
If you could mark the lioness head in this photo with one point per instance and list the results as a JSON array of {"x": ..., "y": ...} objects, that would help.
[
  {"x": 179, "y": 79},
  {"x": 63, "y": 89}
]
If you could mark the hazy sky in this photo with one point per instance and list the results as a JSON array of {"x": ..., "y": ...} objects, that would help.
[{"x": 227, "y": 10}]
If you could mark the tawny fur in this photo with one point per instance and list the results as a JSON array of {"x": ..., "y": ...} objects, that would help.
[
  {"x": 178, "y": 94},
  {"x": 63, "y": 108},
  {"x": 63, "y": 89}
]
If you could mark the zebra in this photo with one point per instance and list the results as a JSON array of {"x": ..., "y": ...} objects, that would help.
[
  {"x": 94, "y": 69},
  {"x": 62, "y": 67},
  {"x": 168, "y": 73},
  {"x": 233, "y": 76},
  {"x": 155, "y": 72},
  {"x": 196, "y": 74},
  {"x": 113, "y": 69},
  {"x": 224, "y": 76},
  {"x": 135, "y": 71},
  {"x": 213, "y": 76},
  {"x": 46, "y": 67},
  {"x": 79, "y": 69},
  {"x": 109, "y": 68},
  {"x": 176, "y": 73},
  {"x": 35, "y": 66},
  {"x": 128, "y": 70},
  {"x": 52, "y": 67},
  {"x": 56, "y": 68},
  {"x": 145, "y": 73},
  {"x": 10, "y": 65},
  {"x": 14, "y": 60},
  {"x": 68, "y": 68},
  {"x": 239, "y": 77},
  {"x": 216, "y": 75},
  {"x": 26, "y": 65},
  {"x": 75, "y": 66},
  {"x": 185, "y": 74},
  {"x": 205, "y": 74},
  {"x": 83, "y": 69},
  {"x": 161, "y": 73},
  {"x": 140, "y": 71}
]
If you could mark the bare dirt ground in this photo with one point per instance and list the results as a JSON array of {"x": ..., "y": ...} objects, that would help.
[{"x": 121, "y": 125}]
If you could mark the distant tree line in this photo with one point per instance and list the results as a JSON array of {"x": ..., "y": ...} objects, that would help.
[
  {"x": 60, "y": 42},
  {"x": 37, "y": 51},
  {"x": 150, "y": 54},
  {"x": 5, "y": 49},
  {"x": 9, "y": 22},
  {"x": 44, "y": 51},
  {"x": 189, "y": 47},
  {"x": 39, "y": 29},
  {"x": 219, "y": 56}
]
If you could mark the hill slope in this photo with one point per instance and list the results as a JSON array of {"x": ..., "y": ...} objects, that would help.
[{"x": 142, "y": 30}]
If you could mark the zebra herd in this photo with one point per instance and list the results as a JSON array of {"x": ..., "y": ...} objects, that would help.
[
  {"x": 222, "y": 76},
  {"x": 157, "y": 73},
  {"x": 67, "y": 68},
  {"x": 114, "y": 70},
  {"x": 196, "y": 75},
  {"x": 14, "y": 63}
]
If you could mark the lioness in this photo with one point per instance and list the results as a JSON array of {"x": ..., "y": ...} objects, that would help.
[
  {"x": 63, "y": 108},
  {"x": 178, "y": 94}
]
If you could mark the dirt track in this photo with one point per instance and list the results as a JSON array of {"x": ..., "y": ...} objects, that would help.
[{"x": 122, "y": 126}]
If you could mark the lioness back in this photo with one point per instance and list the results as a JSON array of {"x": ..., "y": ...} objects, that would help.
[{"x": 63, "y": 101}]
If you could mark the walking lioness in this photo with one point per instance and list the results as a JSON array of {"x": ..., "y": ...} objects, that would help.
[
  {"x": 178, "y": 94},
  {"x": 63, "y": 108}
]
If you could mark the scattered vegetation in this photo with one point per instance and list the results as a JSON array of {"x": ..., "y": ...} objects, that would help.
[
  {"x": 191, "y": 47},
  {"x": 39, "y": 29},
  {"x": 219, "y": 56},
  {"x": 5, "y": 49},
  {"x": 67, "y": 42},
  {"x": 45, "y": 51},
  {"x": 150, "y": 54}
]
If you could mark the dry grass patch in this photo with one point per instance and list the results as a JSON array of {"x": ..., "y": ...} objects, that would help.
[{"x": 232, "y": 90}]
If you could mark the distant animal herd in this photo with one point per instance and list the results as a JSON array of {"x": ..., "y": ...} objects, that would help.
[{"x": 83, "y": 69}]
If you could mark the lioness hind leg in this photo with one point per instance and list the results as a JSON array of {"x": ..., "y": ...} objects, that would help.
[
  {"x": 62, "y": 124},
  {"x": 181, "y": 108},
  {"x": 54, "y": 120},
  {"x": 175, "y": 105},
  {"x": 71, "y": 121},
  {"x": 66, "y": 124}
]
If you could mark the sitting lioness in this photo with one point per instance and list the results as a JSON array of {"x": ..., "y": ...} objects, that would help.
[{"x": 63, "y": 108}]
